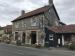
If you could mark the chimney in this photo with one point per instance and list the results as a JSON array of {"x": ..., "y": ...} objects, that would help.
[
  {"x": 50, "y": 2},
  {"x": 22, "y": 12}
]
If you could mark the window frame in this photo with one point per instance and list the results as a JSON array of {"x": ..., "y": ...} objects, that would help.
[{"x": 51, "y": 36}]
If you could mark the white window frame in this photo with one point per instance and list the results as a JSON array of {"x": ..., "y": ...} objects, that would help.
[{"x": 51, "y": 37}]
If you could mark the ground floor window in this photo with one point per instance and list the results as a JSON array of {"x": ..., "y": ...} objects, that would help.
[
  {"x": 16, "y": 36},
  {"x": 51, "y": 37}
]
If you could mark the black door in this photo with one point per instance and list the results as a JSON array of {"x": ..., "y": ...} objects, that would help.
[
  {"x": 33, "y": 37},
  {"x": 16, "y": 36},
  {"x": 23, "y": 37}
]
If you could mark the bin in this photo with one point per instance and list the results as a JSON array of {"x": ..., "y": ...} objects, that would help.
[{"x": 47, "y": 44}]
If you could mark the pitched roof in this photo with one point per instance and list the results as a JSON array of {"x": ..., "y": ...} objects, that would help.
[
  {"x": 62, "y": 23},
  {"x": 35, "y": 12},
  {"x": 64, "y": 29},
  {"x": 32, "y": 13}
]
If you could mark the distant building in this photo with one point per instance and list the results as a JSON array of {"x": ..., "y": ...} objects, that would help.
[
  {"x": 8, "y": 29},
  {"x": 1, "y": 31},
  {"x": 29, "y": 28},
  {"x": 5, "y": 32}
]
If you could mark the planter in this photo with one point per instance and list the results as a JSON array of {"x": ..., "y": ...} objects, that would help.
[{"x": 47, "y": 44}]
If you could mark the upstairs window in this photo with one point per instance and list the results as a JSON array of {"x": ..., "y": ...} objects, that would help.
[
  {"x": 23, "y": 24},
  {"x": 33, "y": 22},
  {"x": 16, "y": 25}
]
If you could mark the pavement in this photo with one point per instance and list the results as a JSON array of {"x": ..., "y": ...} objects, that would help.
[{"x": 12, "y": 50}]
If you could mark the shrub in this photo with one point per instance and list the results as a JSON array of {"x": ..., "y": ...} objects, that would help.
[
  {"x": 72, "y": 46},
  {"x": 67, "y": 45},
  {"x": 36, "y": 46},
  {"x": 8, "y": 41}
]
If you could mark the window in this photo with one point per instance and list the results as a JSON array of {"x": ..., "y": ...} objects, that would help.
[
  {"x": 41, "y": 22},
  {"x": 33, "y": 22},
  {"x": 23, "y": 24},
  {"x": 51, "y": 37},
  {"x": 16, "y": 25}
]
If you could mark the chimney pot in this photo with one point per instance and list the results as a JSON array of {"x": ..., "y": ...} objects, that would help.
[
  {"x": 23, "y": 12},
  {"x": 50, "y": 2}
]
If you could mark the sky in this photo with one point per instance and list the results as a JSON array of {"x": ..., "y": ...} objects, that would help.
[{"x": 10, "y": 9}]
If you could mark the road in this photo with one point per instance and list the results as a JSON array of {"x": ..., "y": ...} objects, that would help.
[{"x": 12, "y": 50}]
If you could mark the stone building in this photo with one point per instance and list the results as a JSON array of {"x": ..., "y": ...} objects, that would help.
[{"x": 29, "y": 28}]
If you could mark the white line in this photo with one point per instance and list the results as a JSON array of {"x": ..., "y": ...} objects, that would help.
[
  {"x": 19, "y": 53},
  {"x": 20, "y": 50}
]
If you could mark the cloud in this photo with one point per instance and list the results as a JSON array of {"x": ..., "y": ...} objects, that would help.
[
  {"x": 66, "y": 10},
  {"x": 10, "y": 9}
]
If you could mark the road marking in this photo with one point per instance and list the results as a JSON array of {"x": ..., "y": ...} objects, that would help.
[
  {"x": 20, "y": 50},
  {"x": 19, "y": 53}
]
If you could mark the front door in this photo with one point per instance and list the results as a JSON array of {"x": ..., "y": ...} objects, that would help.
[
  {"x": 23, "y": 37},
  {"x": 33, "y": 37},
  {"x": 16, "y": 36}
]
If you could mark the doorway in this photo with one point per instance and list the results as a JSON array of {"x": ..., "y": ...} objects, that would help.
[
  {"x": 33, "y": 37},
  {"x": 23, "y": 37},
  {"x": 16, "y": 36}
]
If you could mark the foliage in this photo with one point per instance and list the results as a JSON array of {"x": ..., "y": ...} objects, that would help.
[
  {"x": 36, "y": 46},
  {"x": 70, "y": 46},
  {"x": 8, "y": 41}
]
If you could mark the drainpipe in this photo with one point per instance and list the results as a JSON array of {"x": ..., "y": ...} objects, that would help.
[
  {"x": 62, "y": 40},
  {"x": 62, "y": 37}
]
